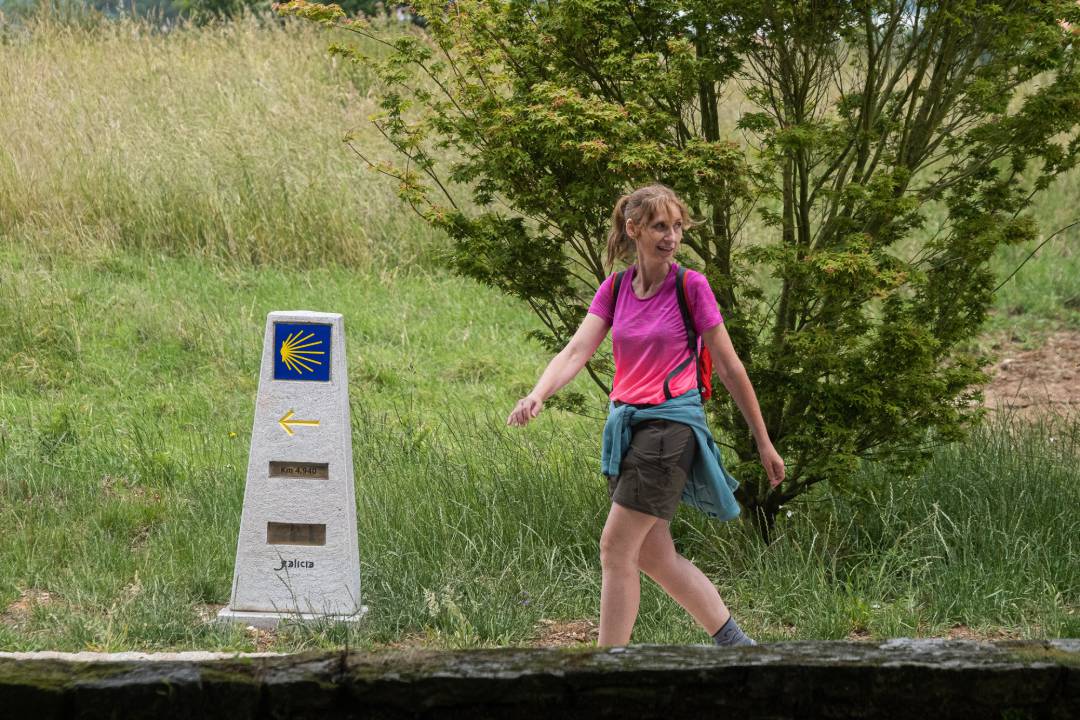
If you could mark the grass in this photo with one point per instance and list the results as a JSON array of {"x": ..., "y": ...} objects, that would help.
[
  {"x": 222, "y": 141},
  {"x": 160, "y": 193},
  {"x": 125, "y": 440}
]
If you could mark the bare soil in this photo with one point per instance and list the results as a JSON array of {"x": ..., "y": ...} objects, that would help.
[
  {"x": 564, "y": 633},
  {"x": 569, "y": 633},
  {"x": 19, "y": 611},
  {"x": 956, "y": 632},
  {"x": 263, "y": 639},
  {"x": 1036, "y": 382}
]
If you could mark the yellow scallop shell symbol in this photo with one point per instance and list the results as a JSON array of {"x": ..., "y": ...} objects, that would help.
[{"x": 296, "y": 355}]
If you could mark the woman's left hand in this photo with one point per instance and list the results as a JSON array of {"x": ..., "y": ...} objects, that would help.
[{"x": 773, "y": 464}]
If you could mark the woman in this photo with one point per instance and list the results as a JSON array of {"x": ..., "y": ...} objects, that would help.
[{"x": 655, "y": 380}]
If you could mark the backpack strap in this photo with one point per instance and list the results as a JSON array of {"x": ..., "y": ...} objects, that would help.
[
  {"x": 684, "y": 308},
  {"x": 691, "y": 334},
  {"x": 615, "y": 283}
]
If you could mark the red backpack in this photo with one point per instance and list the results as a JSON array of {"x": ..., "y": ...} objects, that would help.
[{"x": 703, "y": 360}]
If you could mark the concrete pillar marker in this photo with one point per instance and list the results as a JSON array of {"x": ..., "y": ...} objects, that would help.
[{"x": 297, "y": 556}]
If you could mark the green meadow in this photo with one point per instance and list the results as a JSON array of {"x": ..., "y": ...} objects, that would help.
[{"x": 160, "y": 192}]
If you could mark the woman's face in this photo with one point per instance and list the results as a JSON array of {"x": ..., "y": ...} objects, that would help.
[{"x": 658, "y": 240}]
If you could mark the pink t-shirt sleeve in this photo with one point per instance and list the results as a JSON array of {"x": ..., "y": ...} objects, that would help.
[
  {"x": 703, "y": 306},
  {"x": 602, "y": 304}
]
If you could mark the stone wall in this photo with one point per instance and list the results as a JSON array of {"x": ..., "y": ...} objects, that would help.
[{"x": 924, "y": 679}]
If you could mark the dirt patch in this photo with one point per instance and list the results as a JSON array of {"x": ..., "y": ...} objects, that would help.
[
  {"x": 263, "y": 639},
  {"x": 410, "y": 641},
  {"x": 19, "y": 611},
  {"x": 963, "y": 632},
  {"x": 564, "y": 633},
  {"x": 121, "y": 487},
  {"x": 860, "y": 635},
  {"x": 956, "y": 632},
  {"x": 788, "y": 630},
  {"x": 140, "y": 538},
  {"x": 1036, "y": 382}
]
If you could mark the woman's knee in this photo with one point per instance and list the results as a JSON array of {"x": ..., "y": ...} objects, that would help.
[
  {"x": 623, "y": 534},
  {"x": 614, "y": 553}
]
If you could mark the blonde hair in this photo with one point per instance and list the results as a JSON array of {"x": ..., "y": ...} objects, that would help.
[{"x": 641, "y": 206}]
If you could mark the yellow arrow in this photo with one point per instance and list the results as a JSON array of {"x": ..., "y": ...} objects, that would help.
[{"x": 286, "y": 420}]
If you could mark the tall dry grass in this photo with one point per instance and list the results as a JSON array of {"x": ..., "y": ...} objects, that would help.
[{"x": 223, "y": 141}]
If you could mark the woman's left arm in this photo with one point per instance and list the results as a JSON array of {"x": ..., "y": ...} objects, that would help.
[{"x": 730, "y": 370}]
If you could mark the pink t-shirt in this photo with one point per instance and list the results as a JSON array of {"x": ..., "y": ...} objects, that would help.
[{"x": 648, "y": 337}]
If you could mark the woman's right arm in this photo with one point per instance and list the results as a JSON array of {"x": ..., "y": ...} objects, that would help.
[{"x": 563, "y": 368}]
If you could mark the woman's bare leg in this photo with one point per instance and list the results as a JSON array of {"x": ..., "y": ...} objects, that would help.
[
  {"x": 681, "y": 579},
  {"x": 620, "y": 589}
]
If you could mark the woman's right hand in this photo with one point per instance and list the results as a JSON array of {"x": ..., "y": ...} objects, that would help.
[{"x": 526, "y": 409}]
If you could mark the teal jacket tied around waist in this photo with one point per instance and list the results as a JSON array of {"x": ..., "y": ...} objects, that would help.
[{"x": 710, "y": 488}]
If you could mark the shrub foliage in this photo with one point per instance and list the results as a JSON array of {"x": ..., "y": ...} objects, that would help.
[{"x": 519, "y": 124}]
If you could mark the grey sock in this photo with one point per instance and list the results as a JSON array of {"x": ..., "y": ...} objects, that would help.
[{"x": 731, "y": 634}]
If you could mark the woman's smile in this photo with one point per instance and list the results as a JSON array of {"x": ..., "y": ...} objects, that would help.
[{"x": 663, "y": 233}]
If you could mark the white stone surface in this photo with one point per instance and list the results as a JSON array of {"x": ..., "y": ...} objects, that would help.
[{"x": 323, "y": 579}]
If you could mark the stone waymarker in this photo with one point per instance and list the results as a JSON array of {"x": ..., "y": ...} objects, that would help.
[{"x": 297, "y": 554}]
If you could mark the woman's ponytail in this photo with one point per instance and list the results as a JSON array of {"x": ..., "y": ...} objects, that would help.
[{"x": 618, "y": 242}]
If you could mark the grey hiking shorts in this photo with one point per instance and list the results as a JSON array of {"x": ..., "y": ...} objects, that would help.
[{"x": 654, "y": 470}]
